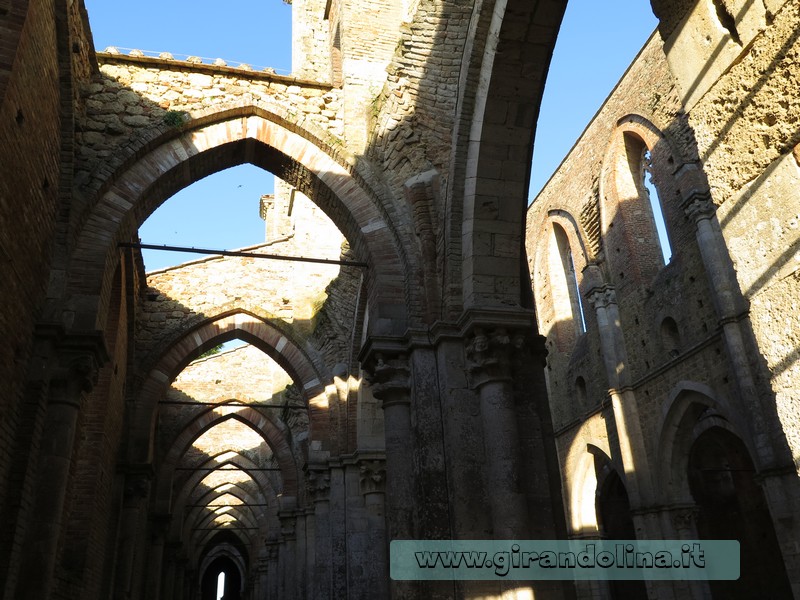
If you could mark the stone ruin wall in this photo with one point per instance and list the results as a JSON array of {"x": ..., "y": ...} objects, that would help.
[
  {"x": 747, "y": 131},
  {"x": 132, "y": 95},
  {"x": 316, "y": 303},
  {"x": 743, "y": 129},
  {"x": 679, "y": 290}
]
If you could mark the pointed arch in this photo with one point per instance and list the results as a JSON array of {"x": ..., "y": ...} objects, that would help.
[
  {"x": 174, "y": 159},
  {"x": 275, "y": 341},
  {"x": 271, "y": 430}
]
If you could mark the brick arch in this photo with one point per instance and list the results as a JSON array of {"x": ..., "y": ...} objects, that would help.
[
  {"x": 265, "y": 490},
  {"x": 272, "y": 431},
  {"x": 622, "y": 201},
  {"x": 505, "y": 77},
  {"x": 247, "y": 508},
  {"x": 197, "y": 322},
  {"x": 265, "y": 335},
  {"x": 541, "y": 276},
  {"x": 177, "y": 158}
]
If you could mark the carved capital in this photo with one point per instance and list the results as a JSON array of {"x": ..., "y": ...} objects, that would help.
[
  {"x": 137, "y": 481},
  {"x": 318, "y": 484},
  {"x": 372, "y": 475},
  {"x": 490, "y": 354},
  {"x": 288, "y": 522},
  {"x": 698, "y": 206},
  {"x": 389, "y": 377},
  {"x": 602, "y": 297},
  {"x": 684, "y": 518},
  {"x": 272, "y": 550}
]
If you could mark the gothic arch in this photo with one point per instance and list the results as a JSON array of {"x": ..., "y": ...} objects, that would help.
[
  {"x": 622, "y": 197},
  {"x": 690, "y": 409},
  {"x": 272, "y": 431},
  {"x": 190, "y": 493},
  {"x": 545, "y": 284},
  {"x": 580, "y": 478},
  {"x": 504, "y": 81},
  {"x": 265, "y": 335},
  {"x": 223, "y": 139}
]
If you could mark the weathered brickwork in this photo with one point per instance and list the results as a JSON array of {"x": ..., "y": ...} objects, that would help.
[
  {"x": 437, "y": 387},
  {"x": 637, "y": 347}
]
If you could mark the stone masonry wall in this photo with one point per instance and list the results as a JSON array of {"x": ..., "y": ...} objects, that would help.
[
  {"x": 292, "y": 293},
  {"x": 132, "y": 95},
  {"x": 647, "y": 292},
  {"x": 748, "y": 135}
]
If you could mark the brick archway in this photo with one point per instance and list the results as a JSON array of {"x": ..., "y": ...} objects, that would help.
[
  {"x": 271, "y": 339},
  {"x": 271, "y": 431},
  {"x": 227, "y": 138}
]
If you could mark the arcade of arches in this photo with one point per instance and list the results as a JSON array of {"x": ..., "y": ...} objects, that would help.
[{"x": 618, "y": 360}]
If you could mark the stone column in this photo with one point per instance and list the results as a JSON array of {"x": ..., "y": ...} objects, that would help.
[
  {"x": 489, "y": 363},
  {"x": 273, "y": 574},
  {"x": 773, "y": 459},
  {"x": 624, "y": 405},
  {"x": 319, "y": 490},
  {"x": 158, "y": 531},
  {"x": 75, "y": 376},
  {"x": 300, "y": 566},
  {"x": 311, "y": 537},
  {"x": 179, "y": 589},
  {"x": 372, "y": 479},
  {"x": 389, "y": 376},
  {"x": 172, "y": 550},
  {"x": 288, "y": 553},
  {"x": 338, "y": 530},
  {"x": 132, "y": 519},
  {"x": 682, "y": 520}
]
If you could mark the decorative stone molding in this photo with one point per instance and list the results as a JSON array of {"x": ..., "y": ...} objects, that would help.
[
  {"x": 496, "y": 342},
  {"x": 273, "y": 548},
  {"x": 602, "y": 297},
  {"x": 386, "y": 369},
  {"x": 137, "y": 481},
  {"x": 288, "y": 522},
  {"x": 489, "y": 354},
  {"x": 698, "y": 206},
  {"x": 318, "y": 485},
  {"x": 372, "y": 476},
  {"x": 684, "y": 518}
]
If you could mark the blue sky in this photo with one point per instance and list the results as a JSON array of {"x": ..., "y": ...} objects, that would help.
[{"x": 597, "y": 42}]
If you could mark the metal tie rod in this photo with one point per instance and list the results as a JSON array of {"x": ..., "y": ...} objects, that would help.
[{"x": 323, "y": 261}]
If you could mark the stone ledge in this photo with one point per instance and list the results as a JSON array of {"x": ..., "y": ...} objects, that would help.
[{"x": 165, "y": 63}]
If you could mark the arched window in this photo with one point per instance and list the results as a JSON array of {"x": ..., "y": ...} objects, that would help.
[
  {"x": 564, "y": 281},
  {"x": 655, "y": 207},
  {"x": 644, "y": 246}
]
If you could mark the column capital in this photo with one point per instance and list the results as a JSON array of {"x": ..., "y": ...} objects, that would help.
[
  {"x": 683, "y": 516},
  {"x": 288, "y": 520},
  {"x": 698, "y": 206},
  {"x": 489, "y": 354},
  {"x": 318, "y": 484},
  {"x": 372, "y": 476},
  {"x": 493, "y": 338},
  {"x": 602, "y": 297},
  {"x": 386, "y": 368},
  {"x": 138, "y": 478},
  {"x": 273, "y": 546}
]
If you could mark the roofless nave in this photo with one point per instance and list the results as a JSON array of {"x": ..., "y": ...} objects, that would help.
[{"x": 494, "y": 372}]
